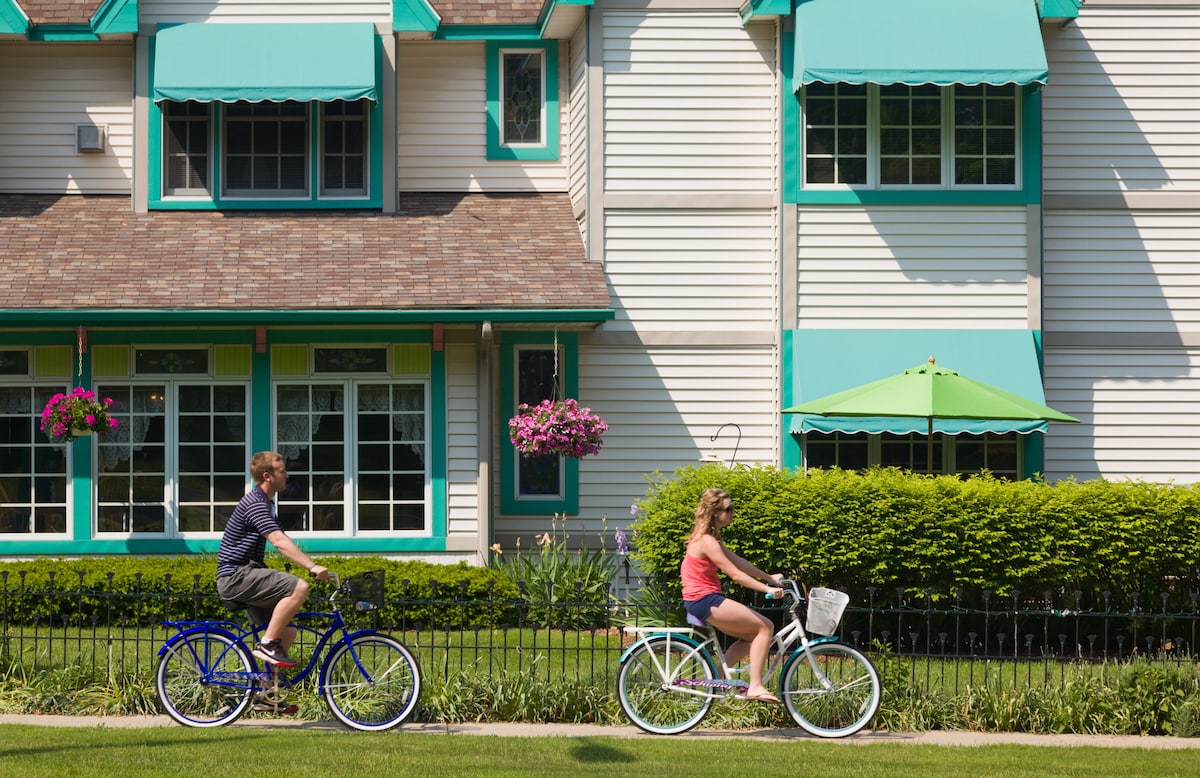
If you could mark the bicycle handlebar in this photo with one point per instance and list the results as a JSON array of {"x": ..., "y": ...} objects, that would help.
[{"x": 789, "y": 587}]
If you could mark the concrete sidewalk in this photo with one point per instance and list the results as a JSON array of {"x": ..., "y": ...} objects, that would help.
[{"x": 509, "y": 729}]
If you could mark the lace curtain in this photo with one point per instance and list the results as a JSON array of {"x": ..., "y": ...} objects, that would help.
[{"x": 299, "y": 411}]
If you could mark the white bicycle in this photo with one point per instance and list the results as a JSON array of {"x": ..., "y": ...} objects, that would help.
[{"x": 670, "y": 677}]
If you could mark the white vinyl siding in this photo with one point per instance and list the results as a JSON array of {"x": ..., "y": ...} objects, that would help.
[
  {"x": 662, "y": 405},
  {"x": 1140, "y": 410},
  {"x": 896, "y": 266},
  {"x": 46, "y": 89},
  {"x": 1127, "y": 271},
  {"x": 462, "y": 439},
  {"x": 1121, "y": 108},
  {"x": 690, "y": 102},
  {"x": 692, "y": 270},
  {"x": 180, "y": 11},
  {"x": 574, "y": 135},
  {"x": 442, "y": 125}
]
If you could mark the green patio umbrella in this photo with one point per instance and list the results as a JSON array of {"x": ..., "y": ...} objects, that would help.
[{"x": 932, "y": 392}]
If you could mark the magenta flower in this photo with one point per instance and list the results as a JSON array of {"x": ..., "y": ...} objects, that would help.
[
  {"x": 556, "y": 427},
  {"x": 67, "y": 416}
]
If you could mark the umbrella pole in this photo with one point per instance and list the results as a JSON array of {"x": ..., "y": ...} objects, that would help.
[{"x": 929, "y": 448}]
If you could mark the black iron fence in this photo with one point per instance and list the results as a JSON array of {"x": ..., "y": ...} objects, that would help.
[{"x": 936, "y": 639}]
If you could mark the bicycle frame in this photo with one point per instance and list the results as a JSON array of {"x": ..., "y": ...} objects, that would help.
[{"x": 239, "y": 634}]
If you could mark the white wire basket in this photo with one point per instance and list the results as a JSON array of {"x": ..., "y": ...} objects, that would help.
[{"x": 825, "y": 608}]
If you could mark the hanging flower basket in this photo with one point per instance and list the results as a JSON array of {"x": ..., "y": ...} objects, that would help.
[
  {"x": 69, "y": 416},
  {"x": 556, "y": 427}
]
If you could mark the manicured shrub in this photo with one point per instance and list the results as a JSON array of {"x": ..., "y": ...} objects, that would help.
[{"x": 886, "y": 528}]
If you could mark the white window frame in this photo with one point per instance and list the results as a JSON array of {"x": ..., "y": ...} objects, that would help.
[
  {"x": 948, "y": 156},
  {"x": 504, "y": 53}
]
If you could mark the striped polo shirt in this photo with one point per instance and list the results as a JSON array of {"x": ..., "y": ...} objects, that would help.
[{"x": 245, "y": 537}]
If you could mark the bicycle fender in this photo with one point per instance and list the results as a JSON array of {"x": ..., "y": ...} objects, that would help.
[
  {"x": 674, "y": 636},
  {"x": 212, "y": 628}
]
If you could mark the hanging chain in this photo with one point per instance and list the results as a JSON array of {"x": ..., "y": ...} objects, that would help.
[
  {"x": 554, "y": 396},
  {"x": 79, "y": 351}
]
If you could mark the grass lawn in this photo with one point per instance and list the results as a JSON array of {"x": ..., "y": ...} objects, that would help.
[{"x": 34, "y": 751}]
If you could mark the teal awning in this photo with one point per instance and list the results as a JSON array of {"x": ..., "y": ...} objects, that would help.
[
  {"x": 226, "y": 63},
  {"x": 828, "y": 361},
  {"x": 941, "y": 42}
]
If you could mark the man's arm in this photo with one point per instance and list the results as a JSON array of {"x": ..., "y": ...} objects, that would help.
[{"x": 286, "y": 546}]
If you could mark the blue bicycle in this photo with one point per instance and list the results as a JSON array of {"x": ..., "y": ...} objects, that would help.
[{"x": 208, "y": 677}]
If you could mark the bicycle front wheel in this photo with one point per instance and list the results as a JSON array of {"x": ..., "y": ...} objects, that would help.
[
  {"x": 204, "y": 679},
  {"x": 664, "y": 685},
  {"x": 371, "y": 684},
  {"x": 837, "y": 698}
]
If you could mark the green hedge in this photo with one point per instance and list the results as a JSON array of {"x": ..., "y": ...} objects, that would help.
[
  {"x": 185, "y": 587},
  {"x": 889, "y": 528}
]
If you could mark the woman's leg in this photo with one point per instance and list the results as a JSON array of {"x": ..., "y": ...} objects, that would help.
[{"x": 753, "y": 631}]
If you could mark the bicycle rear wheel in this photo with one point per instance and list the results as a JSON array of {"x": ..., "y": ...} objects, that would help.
[
  {"x": 839, "y": 698},
  {"x": 376, "y": 692},
  {"x": 663, "y": 684},
  {"x": 204, "y": 679}
]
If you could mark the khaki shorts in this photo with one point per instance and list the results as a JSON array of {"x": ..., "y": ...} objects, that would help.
[{"x": 257, "y": 589}]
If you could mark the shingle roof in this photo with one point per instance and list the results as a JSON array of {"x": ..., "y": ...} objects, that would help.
[
  {"x": 441, "y": 251},
  {"x": 59, "y": 11},
  {"x": 451, "y": 11},
  {"x": 488, "y": 11}
]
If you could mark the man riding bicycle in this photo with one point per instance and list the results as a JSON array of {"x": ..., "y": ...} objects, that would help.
[{"x": 271, "y": 597}]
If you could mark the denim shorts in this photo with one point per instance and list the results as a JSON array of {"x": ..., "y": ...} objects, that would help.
[{"x": 702, "y": 607}]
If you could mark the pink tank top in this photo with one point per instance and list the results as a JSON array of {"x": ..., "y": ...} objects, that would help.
[{"x": 699, "y": 577}]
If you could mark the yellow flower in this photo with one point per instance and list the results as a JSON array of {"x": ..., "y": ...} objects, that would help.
[{"x": 496, "y": 548}]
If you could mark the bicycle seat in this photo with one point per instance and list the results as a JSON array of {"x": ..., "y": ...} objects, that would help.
[{"x": 695, "y": 622}]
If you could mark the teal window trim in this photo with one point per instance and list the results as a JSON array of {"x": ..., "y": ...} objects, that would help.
[
  {"x": 549, "y": 148},
  {"x": 215, "y": 201},
  {"x": 510, "y": 502},
  {"x": 792, "y": 160}
]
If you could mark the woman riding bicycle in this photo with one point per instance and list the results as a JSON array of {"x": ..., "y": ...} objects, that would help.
[{"x": 704, "y": 598}]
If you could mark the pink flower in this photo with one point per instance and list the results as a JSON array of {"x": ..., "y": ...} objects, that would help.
[{"x": 556, "y": 427}]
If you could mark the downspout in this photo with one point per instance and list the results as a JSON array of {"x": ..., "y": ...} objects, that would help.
[{"x": 486, "y": 432}]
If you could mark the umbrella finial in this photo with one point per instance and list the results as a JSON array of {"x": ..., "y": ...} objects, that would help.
[{"x": 931, "y": 359}]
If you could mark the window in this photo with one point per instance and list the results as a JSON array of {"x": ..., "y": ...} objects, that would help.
[
  {"x": 536, "y": 367},
  {"x": 356, "y": 455},
  {"x": 539, "y": 476},
  {"x": 177, "y": 462},
  {"x": 998, "y": 453},
  {"x": 266, "y": 150},
  {"x": 522, "y": 95},
  {"x": 873, "y": 136},
  {"x": 185, "y": 153},
  {"x": 33, "y": 471},
  {"x": 353, "y": 434},
  {"x": 522, "y": 86}
]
